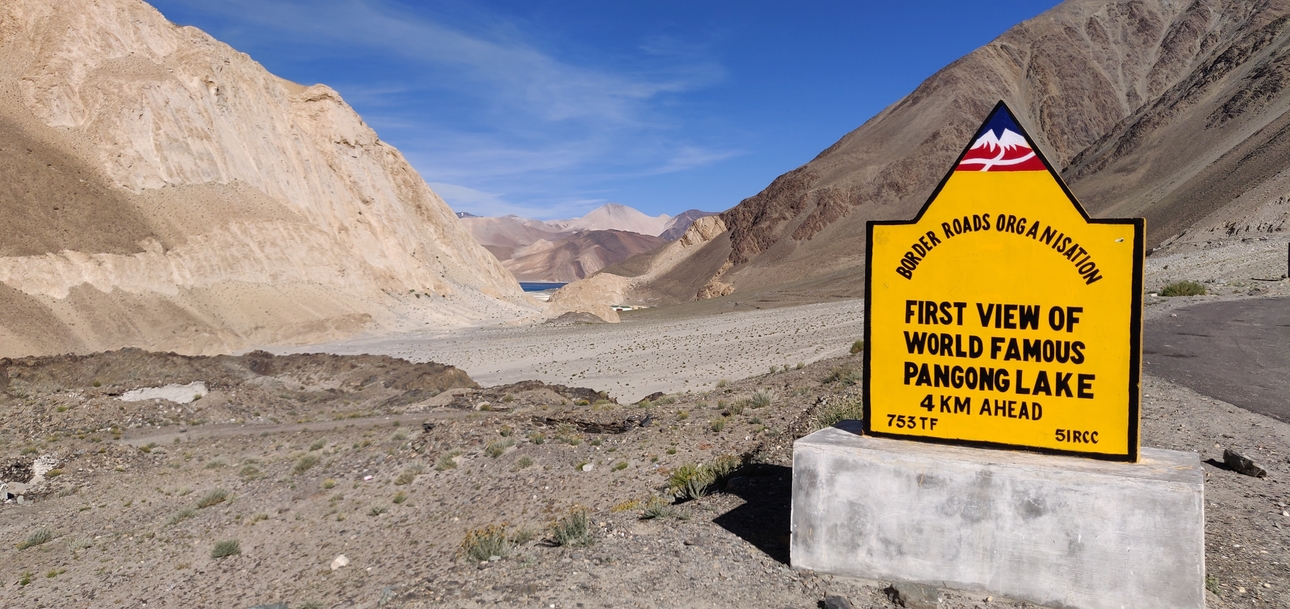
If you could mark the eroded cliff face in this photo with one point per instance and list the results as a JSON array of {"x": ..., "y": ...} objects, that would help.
[
  {"x": 1152, "y": 108},
  {"x": 208, "y": 197}
]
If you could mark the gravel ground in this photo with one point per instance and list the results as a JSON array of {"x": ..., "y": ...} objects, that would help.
[{"x": 332, "y": 456}]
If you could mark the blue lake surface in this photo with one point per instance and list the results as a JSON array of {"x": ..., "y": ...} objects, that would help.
[{"x": 538, "y": 286}]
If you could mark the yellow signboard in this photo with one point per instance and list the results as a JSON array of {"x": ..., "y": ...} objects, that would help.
[{"x": 1002, "y": 315}]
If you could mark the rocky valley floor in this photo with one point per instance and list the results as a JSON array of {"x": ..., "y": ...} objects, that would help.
[
  {"x": 302, "y": 459},
  {"x": 369, "y": 481}
]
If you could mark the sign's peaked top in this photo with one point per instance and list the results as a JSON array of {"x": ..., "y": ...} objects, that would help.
[{"x": 1000, "y": 145}]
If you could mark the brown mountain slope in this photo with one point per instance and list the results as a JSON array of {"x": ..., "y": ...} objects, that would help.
[
  {"x": 568, "y": 250},
  {"x": 575, "y": 257},
  {"x": 163, "y": 190},
  {"x": 1162, "y": 109}
]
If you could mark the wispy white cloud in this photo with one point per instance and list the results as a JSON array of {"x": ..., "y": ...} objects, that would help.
[
  {"x": 477, "y": 104},
  {"x": 480, "y": 203}
]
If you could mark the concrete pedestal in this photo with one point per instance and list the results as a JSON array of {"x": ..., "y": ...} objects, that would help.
[{"x": 1057, "y": 531}]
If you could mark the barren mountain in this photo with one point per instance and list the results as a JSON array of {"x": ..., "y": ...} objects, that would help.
[
  {"x": 613, "y": 216},
  {"x": 163, "y": 190},
  {"x": 567, "y": 250},
  {"x": 576, "y": 256},
  {"x": 1170, "y": 110},
  {"x": 679, "y": 223},
  {"x": 503, "y": 235}
]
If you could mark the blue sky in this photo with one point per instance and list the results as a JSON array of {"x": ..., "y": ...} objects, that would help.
[{"x": 549, "y": 109}]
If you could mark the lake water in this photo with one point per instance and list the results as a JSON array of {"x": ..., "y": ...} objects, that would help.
[{"x": 538, "y": 286}]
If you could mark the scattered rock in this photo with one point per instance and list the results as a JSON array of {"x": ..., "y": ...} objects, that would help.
[
  {"x": 586, "y": 467},
  {"x": 18, "y": 470},
  {"x": 651, "y": 397},
  {"x": 576, "y": 317},
  {"x": 914, "y": 596},
  {"x": 340, "y": 561},
  {"x": 272, "y": 606},
  {"x": 1242, "y": 464},
  {"x": 836, "y": 602}
]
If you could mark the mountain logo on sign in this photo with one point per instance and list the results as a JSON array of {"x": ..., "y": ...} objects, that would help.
[{"x": 999, "y": 146}]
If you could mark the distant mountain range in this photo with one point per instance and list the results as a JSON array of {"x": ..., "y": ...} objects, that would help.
[{"x": 568, "y": 250}]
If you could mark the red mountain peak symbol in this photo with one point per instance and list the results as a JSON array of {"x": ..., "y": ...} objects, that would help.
[{"x": 1006, "y": 152}]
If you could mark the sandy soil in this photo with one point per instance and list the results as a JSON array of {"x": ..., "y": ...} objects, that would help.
[{"x": 636, "y": 357}]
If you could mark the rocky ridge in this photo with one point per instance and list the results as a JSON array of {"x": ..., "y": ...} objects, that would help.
[{"x": 1149, "y": 108}]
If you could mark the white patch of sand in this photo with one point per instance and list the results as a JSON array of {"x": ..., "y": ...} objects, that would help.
[
  {"x": 634, "y": 358},
  {"x": 179, "y": 394}
]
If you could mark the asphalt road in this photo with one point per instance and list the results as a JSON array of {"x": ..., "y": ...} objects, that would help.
[{"x": 1236, "y": 351}]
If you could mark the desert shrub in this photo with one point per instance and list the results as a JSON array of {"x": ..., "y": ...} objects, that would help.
[
  {"x": 857, "y": 347},
  {"x": 762, "y": 398},
  {"x": 537, "y": 437},
  {"x": 657, "y": 508},
  {"x": 717, "y": 424},
  {"x": 572, "y": 530},
  {"x": 377, "y": 510},
  {"x": 689, "y": 481},
  {"x": 619, "y": 466},
  {"x": 829, "y": 415},
  {"x": 408, "y": 475},
  {"x": 523, "y": 462},
  {"x": 694, "y": 481},
  {"x": 495, "y": 449},
  {"x": 799, "y": 365},
  {"x": 318, "y": 445},
  {"x": 80, "y": 543},
  {"x": 214, "y": 497},
  {"x": 722, "y": 383},
  {"x": 630, "y": 504},
  {"x": 486, "y": 542},
  {"x": 226, "y": 548},
  {"x": 37, "y": 537},
  {"x": 1183, "y": 288},
  {"x": 522, "y": 536},
  {"x": 400, "y": 497},
  {"x": 216, "y": 464},
  {"x": 737, "y": 407},
  {"x": 181, "y": 516},
  {"x": 844, "y": 375},
  {"x": 447, "y": 460},
  {"x": 249, "y": 472},
  {"x": 329, "y": 484},
  {"x": 723, "y": 467},
  {"x": 304, "y": 464}
]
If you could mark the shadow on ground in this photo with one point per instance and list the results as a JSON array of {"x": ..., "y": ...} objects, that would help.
[{"x": 763, "y": 519}]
